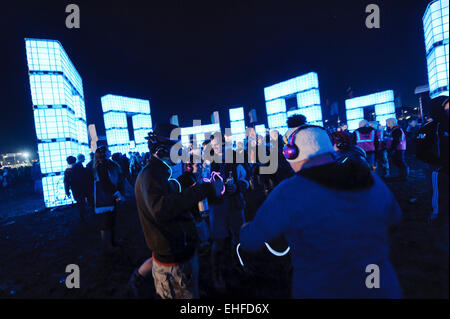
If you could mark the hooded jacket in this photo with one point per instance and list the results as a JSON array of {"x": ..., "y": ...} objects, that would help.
[
  {"x": 335, "y": 219},
  {"x": 432, "y": 142}
]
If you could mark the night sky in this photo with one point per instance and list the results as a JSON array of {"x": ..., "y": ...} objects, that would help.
[{"x": 191, "y": 58}]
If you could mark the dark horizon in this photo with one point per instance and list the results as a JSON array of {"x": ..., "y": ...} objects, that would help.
[{"x": 192, "y": 60}]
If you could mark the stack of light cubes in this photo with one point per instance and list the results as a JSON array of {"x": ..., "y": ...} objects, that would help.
[
  {"x": 305, "y": 89},
  {"x": 116, "y": 109},
  {"x": 237, "y": 124},
  {"x": 59, "y": 114},
  {"x": 435, "y": 25},
  {"x": 382, "y": 101}
]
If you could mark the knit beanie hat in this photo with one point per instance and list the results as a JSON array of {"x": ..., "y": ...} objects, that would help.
[{"x": 311, "y": 141}]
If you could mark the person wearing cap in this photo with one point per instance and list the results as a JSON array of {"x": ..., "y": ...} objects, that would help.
[
  {"x": 108, "y": 190},
  {"x": 334, "y": 216},
  {"x": 166, "y": 220},
  {"x": 432, "y": 148},
  {"x": 395, "y": 142}
]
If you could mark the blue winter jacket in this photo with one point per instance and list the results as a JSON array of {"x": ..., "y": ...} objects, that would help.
[{"x": 335, "y": 219}]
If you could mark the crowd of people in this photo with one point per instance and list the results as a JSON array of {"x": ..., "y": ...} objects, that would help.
[
  {"x": 12, "y": 177},
  {"x": 326, "y": 202}
]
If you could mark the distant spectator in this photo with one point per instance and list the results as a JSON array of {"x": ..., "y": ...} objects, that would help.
[{"x": 76, "y": 179}]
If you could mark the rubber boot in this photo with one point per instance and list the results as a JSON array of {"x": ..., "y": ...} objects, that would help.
[{"x": 141, "y": 287}]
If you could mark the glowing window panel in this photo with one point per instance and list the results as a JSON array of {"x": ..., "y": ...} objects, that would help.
[
  {"x": 435, "y": 25},
  {"x": 305, "y": 89},
  {"x": 308, "y": 98},
  {"x": 383, "y": 102},
  {"x": 368, "y": 100},
  {"x": 385, "y": 108},
  {"x": 59, "y": 114},
  {"x": 355, "y": 114},
  {"x": 353, "y": 124},
  {"x": 116, "y": 109},
  {"x": 292, "y": 86},
  {"x": 260, "y": 129},
  {"x": 236, "y": 114},
  {"x": 237, "y": 123},
  {"x": 276, "y": 106},
  {"x": 201, "y": 132}
]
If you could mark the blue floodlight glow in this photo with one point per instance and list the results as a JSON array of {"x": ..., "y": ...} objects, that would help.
[
  {"x": 305, "y": 89},
  {"x": 435, "y": 26},
  {"x": 116, "y": 109},
  {"x": 59, "y": 114},
  {"x": 382, "y": 101},
  {"x": 237, "y": 124}
]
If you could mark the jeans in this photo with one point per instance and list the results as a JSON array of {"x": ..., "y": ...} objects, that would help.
[
  {"x": 178, "y": 281},
  {"x": 398, "y": 159},
  {"x": 382, "y": 160},
  {"x": 371, "y": 158}
]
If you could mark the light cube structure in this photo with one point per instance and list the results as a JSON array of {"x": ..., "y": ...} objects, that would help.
[
  {"x": 237, "y": 124},
  {"x": 201, "y": 132},
  {"x": 260, "y": 129},
  {"x": 382, "y": 101},
  {"x": 305, "y": 89},
  {"x": 59, "y": 114},
  {"x": 435, "y": 25},
  {"x": 116, "y": 110}
]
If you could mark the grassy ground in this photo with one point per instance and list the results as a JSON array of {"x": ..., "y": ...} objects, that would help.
[{"x": 35, "y": 248}]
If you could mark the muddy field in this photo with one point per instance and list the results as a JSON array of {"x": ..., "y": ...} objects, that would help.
[{"x": 36, "y": 245}]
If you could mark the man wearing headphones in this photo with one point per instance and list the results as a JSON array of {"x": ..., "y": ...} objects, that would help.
[
  {"x": 334, "y": 217},
  {"x": 345, "y": 150},
  {"x": 167, "y": 222}
]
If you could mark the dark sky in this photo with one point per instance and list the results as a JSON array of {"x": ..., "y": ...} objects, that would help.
[{"x": 191, "y": 58}]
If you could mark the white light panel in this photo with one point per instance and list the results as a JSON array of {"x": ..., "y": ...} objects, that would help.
[
  {"x": 306, "y": 90},
  {"x": 201, "y": 133},
  {"x": 292, "y": 86},
  {"x": 59, "y": 114},
  {"x": 382, "y": 101},
  {"x": 260, "y": 129},
  {"x": 116, "y": 109},
  {"x": 435, "y": 26}
]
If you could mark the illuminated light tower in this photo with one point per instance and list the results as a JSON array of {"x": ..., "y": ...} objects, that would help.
[
  {"x": 383, "y": 102},
  {"x": 59, "y": 114},
  {"x": 116, "y": 112},
  {"x": 237, "y": 124},
  {"x": 303, "y": 91},
  {"x": 435, "y": 25}
]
